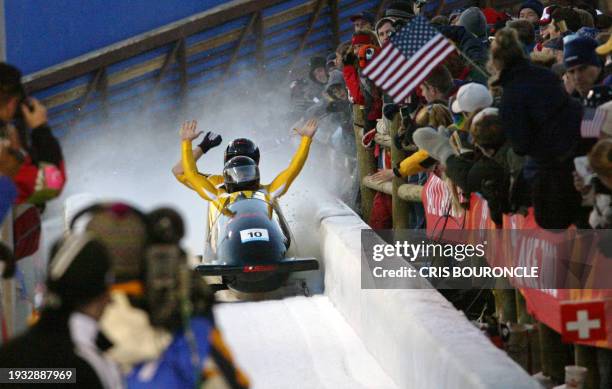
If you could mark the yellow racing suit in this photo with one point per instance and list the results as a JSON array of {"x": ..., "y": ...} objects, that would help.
[{"x": 210, "y": 188}]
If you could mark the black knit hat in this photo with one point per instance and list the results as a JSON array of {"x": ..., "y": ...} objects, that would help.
[
  {"x": 400, "y": 10},
  {"x": 79, "y": 271},
  {"x": 10, "y": 81},
  {"x": 316, "y": 62}
]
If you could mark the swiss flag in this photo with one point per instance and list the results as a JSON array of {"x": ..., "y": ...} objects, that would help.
[{"x": 583, "y": 321}]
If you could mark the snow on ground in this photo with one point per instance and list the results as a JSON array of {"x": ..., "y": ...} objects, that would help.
[{"x": 299, "y": 343}]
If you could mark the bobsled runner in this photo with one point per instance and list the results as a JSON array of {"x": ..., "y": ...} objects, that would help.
[{"x": 247, "y": 245}]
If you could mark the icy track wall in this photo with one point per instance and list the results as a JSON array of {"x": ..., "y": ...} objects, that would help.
[{"x": 416, "y": 335}]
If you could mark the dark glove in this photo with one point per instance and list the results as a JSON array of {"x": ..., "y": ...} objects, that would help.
[{"x": 210, "y": 140}]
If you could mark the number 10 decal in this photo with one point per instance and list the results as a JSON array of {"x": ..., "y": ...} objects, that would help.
[{"x": 254, "y": 234}]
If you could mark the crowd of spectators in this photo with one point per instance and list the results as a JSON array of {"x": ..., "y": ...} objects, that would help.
[
  {"x": 520, "y": 114},
  {"x": 501, "y": 117}
]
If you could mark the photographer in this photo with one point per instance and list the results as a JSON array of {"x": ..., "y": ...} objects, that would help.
[{"x": 42, "y": 175}]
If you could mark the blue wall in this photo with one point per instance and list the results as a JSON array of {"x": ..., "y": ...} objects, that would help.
[{"x": 42, "y": 33}]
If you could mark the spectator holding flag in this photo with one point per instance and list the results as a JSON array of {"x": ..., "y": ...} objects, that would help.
[{"x": 412, "y": 54}]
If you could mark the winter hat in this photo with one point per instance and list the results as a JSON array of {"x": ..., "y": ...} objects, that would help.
[
  {"x": 10, "y": 80},
  {"x": 361, "y": 38},
  {"x": 79, "y": 271},
  {"x": 547, "y": 15},
  {"x": 336, "y": 79},
  {"x": 125, "y": 234},
  {"x": 606, "y": 48},
  {"x": 474, "y": 21},
  {"x": 316, "y": 62},
  {"x": 400, "y": 10},
  {"x": 579, "y": 50},
  {"x": 534, "y": 5},
  {"x": 367, "y": 16},
  {"x": 382, "y": 21},
  {"x": 472, "y": 97},
  {"x": 589, "y": 32},
  {"x": 486, "y": 129},
  {"x": 436, "y": 144}
]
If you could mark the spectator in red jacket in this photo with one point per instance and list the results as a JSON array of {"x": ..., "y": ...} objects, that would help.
[{"x": 351, "y": 65}]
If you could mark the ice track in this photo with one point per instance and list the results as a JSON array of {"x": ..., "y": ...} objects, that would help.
[{"x": 298, "y": 343}]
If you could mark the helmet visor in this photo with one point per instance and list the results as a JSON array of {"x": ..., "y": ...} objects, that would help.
[{"x": 241, "y": 174}]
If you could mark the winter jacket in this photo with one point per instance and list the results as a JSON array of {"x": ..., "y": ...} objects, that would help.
[
  {"x": 48, "y": 344},
  {"x": 538, "y": 116},
  {"x": 469, "y": 45},
  {"x": 351, "y": 78},
  {"x": 372, "y": 99},
  {"x": 44, "y": 158},
  {"x": 474, "y": 21},
  {"x": 175, "y": 368}
]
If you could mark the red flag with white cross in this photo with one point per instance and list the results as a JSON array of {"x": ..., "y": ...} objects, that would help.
[{"x": 583, "y": 321}]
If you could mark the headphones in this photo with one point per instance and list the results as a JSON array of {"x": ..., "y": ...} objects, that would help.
[{"x": 166, "y": 288}]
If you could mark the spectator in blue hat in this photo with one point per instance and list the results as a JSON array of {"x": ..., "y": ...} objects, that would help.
[
  {"x": 584, "y": 67},
  {"x": 531, "y": 10}
]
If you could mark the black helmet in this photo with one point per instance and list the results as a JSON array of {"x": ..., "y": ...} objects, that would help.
[
  {"x": 244, "y": 147},
  {"x": 241, "y": 173}
]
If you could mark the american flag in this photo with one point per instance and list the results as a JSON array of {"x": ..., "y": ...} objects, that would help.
[
  {"x": 592, "y": 122},
  {"x": 404, "y": 63}
]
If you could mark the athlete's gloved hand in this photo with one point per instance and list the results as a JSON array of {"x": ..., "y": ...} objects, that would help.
[{"x": 210, "y": 140}]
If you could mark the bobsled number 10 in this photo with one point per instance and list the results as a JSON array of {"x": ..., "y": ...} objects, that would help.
[
  {"x": 247, "y": 244},
  {"x": 253, "y": 234}
]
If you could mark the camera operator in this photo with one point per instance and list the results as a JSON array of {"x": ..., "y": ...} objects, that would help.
[
  {"x": 160, "y": 321},
  {"x": 24, "y": 122}
]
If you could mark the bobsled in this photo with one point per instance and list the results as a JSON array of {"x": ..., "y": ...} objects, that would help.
[{"x": 247, "y": 244}]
